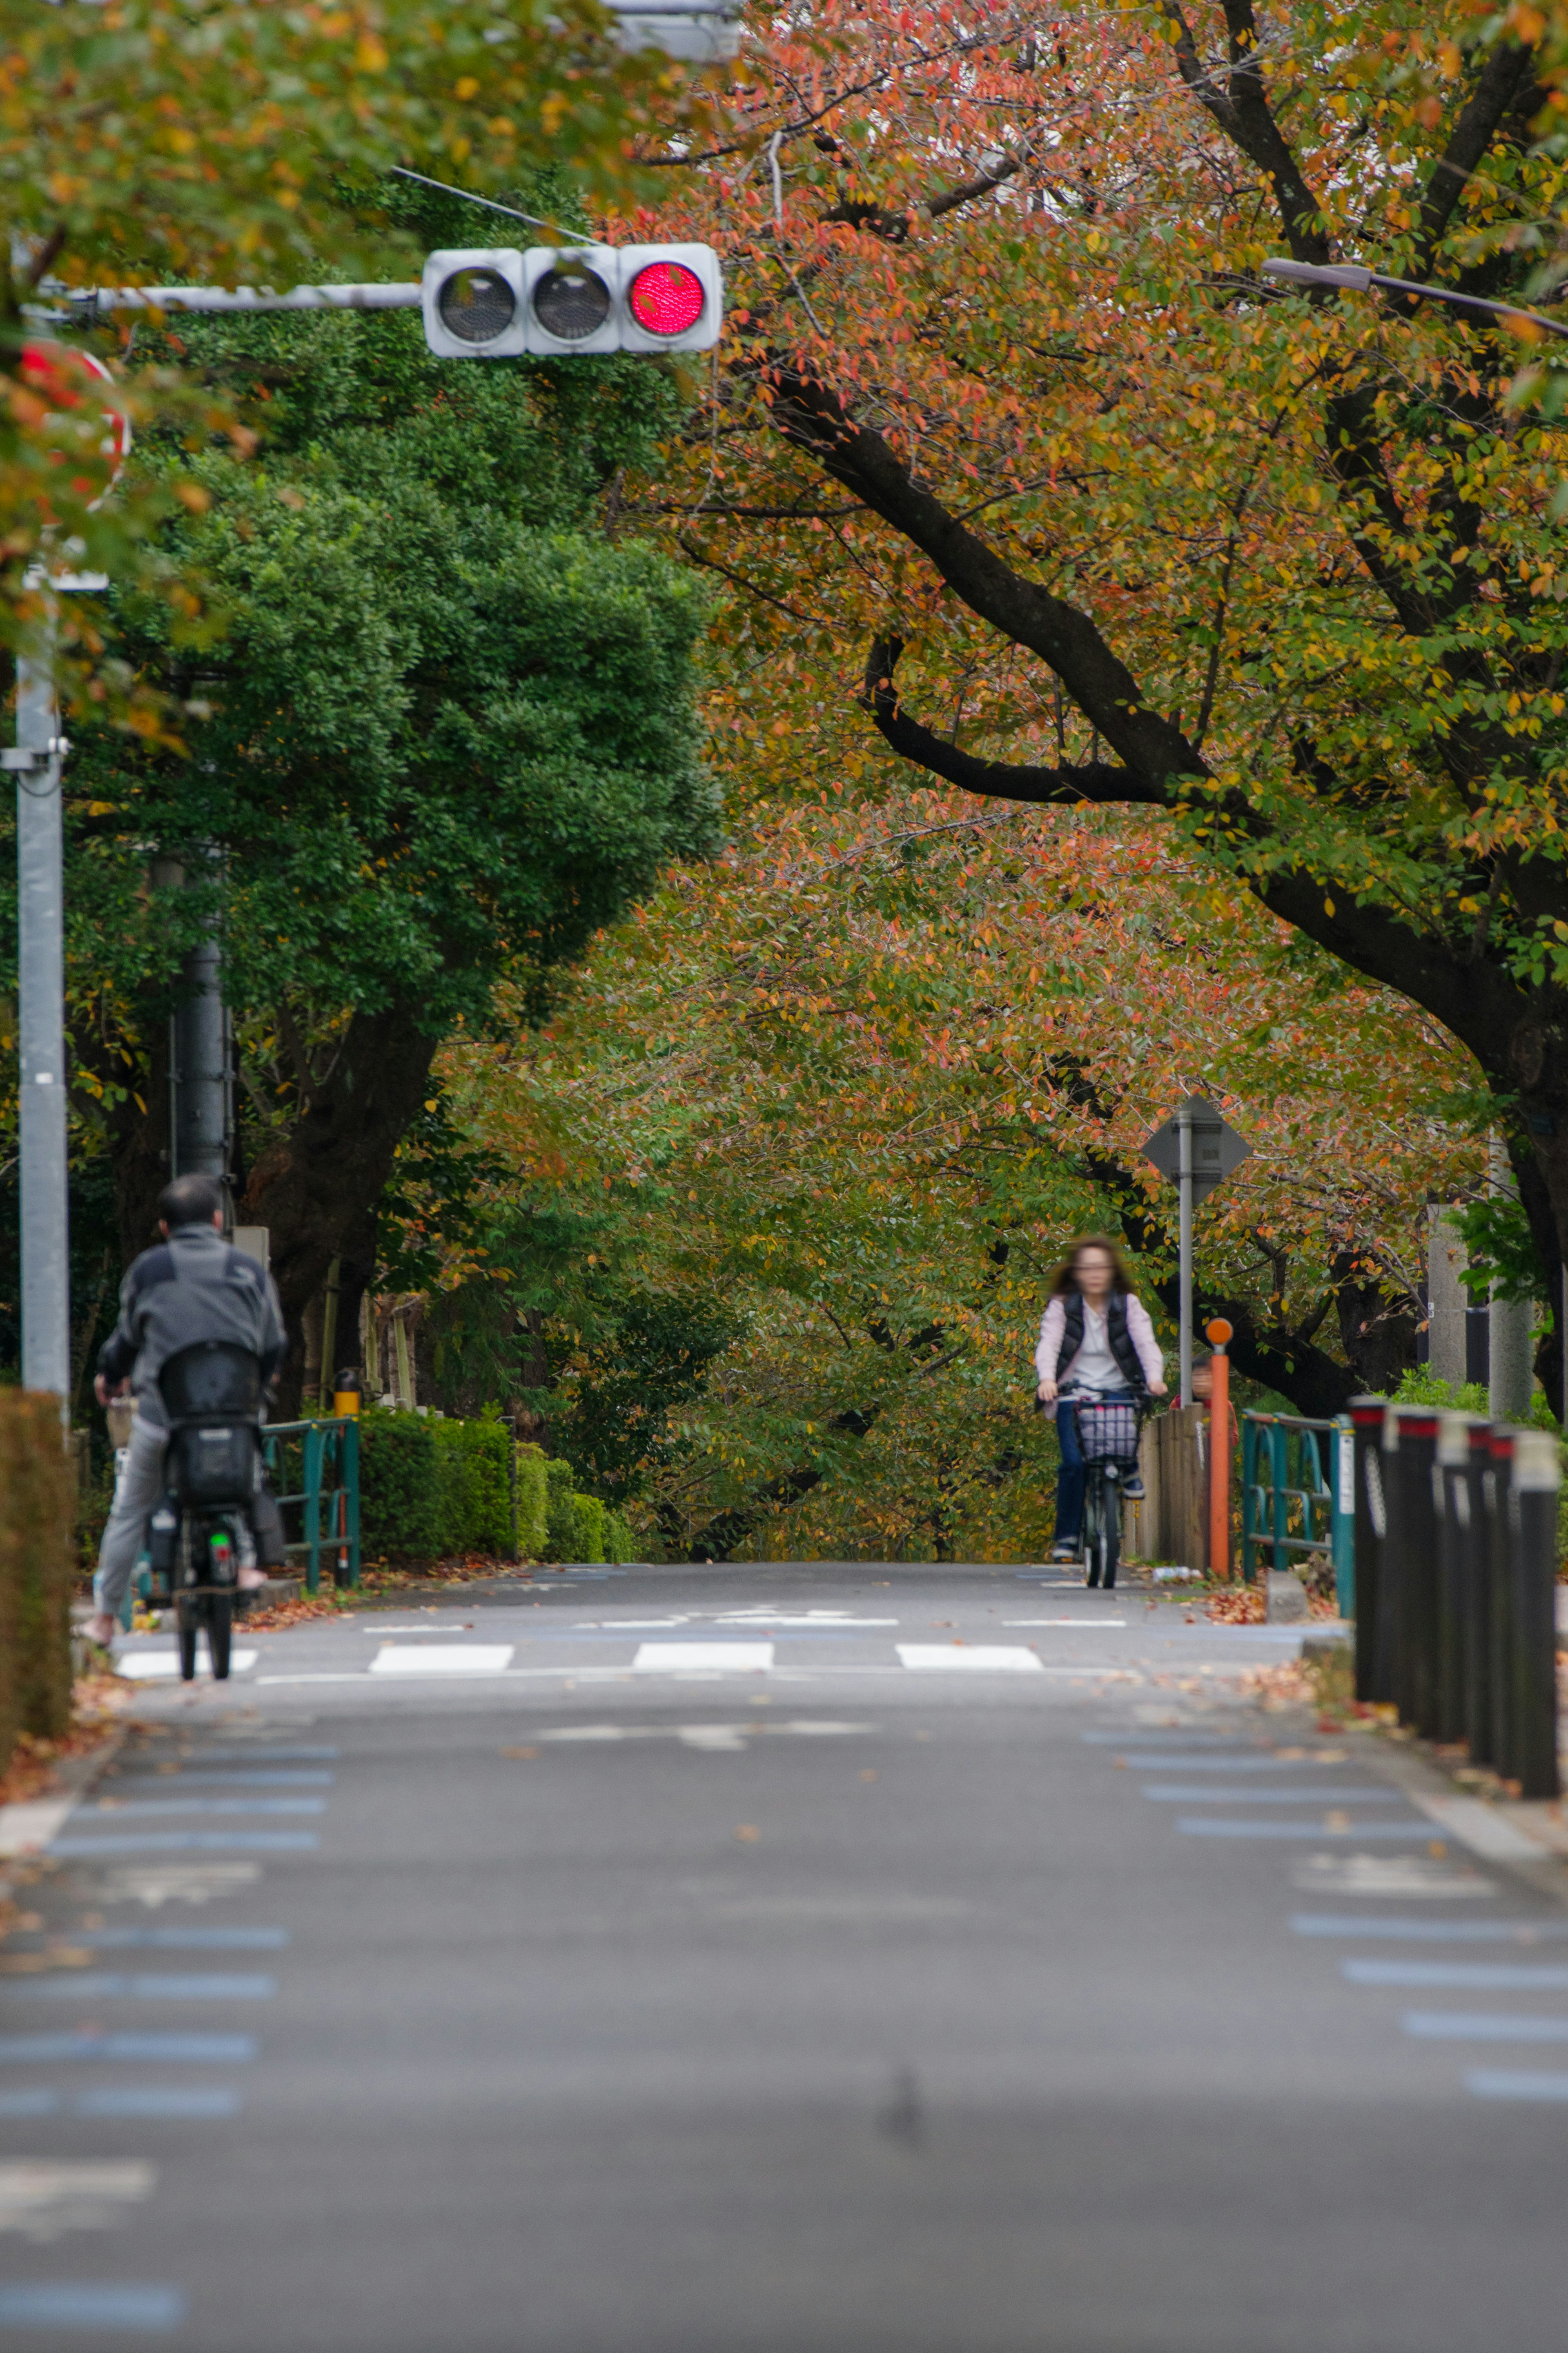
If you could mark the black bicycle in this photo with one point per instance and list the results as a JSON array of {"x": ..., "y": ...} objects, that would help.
[{"x": 1108, "y": 1441}]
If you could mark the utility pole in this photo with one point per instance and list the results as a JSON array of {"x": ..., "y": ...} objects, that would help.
[
  {"x": 37, "y": 763},
  {"x": 200, "y": 1119}
]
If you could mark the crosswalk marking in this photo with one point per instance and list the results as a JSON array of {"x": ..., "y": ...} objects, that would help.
[
  {"x": 150, "y": 1666},
  {"x": 443, "y": 1658},
  {"x": 1184, "y": 1793},
  {"x": 687, "y": 1658},
  {"x": 124, "y": 2102},
  {"x": 937, "y": 1657}
]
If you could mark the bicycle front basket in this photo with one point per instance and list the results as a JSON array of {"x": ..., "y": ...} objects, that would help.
[{"x": 1107, "y": 1433}]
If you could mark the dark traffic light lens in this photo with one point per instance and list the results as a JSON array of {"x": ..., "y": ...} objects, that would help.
[
  {"x": 476, "y": 305},
  {"x": 571, "y": 303},
  {"x": 667, "y": 298}
]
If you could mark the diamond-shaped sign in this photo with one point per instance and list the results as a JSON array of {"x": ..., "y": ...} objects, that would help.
[{"x": 1218, "y": 1150}]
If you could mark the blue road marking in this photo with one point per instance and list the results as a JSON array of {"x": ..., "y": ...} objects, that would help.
[
  {"x": 96, "y": 1985},
  {"x": 156, "y": 2100},
  {"x": 1480, "y": 1976},
  {"x": 117, "y": 1808},
  {"x": 1211, "y": 1826},
  {"x": 1187, "y": 1793},
  {"x": 1472, "y": 2026},
  {"x": 1175, "y": 1760},
  {"x": 1515, "y": 2083},
  {"x": 236, "y": 1750},
  {"x": 189, "y": 1842},
  {"x": 182, "y": 1940},
  {"x": 1429, "y": 1932},
  {"x": 1233, "y": 1741},
  {"x": 199, "y": 2050},
  {"x": 283, "y": 1778},
  {"x": 42, "y": 2102},
  {"x": 74, "y": 2303}
]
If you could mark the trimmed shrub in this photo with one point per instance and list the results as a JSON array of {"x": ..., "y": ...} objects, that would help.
[
  {"x": 38, "y": 1568},
  {"x": 588, "y": 1516},
  {"x": 559, "y": 1519},
  {"x": 620, "y": 1543},
  {"x": 532, "y": 1503},
  {"x": 430, "y": 1488}
]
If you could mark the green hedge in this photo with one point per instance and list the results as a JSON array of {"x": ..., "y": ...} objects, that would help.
[
  {"x": 38, "y": 1568},
  {"x": 429, "y": 1489}
]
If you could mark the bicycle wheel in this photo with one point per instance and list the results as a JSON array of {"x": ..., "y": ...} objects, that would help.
[
  {"x": 1111, "y": 1533},
  {"x": 185, "y": 1630},
  {"x": 1093, "y": 1503},
  {"x": 220, "y": 1631}
]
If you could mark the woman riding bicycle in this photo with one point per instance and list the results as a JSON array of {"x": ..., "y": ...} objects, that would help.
[{"x": 1096, "y": 1336}]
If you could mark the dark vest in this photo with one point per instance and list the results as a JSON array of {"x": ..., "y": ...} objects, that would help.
[{"x": 1117, "y": 1337}]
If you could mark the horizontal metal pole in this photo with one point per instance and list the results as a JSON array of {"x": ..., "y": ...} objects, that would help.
[{"x": 246, "y": 297}]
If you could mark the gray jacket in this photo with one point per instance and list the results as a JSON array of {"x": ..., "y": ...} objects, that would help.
[{"x": 191, "y": 1287}]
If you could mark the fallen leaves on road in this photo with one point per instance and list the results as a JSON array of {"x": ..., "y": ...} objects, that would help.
[
  {"x": 520, "y": 1752},
  {"x": 748, "y": 1833}
]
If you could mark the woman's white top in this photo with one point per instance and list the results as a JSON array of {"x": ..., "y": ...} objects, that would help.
[{"x": 1094, "y": 1367}]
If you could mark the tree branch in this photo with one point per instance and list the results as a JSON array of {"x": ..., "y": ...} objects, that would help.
[{"x": 1506, "y": 70}]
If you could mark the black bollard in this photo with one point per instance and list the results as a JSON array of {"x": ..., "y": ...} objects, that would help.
[
  {"x": 1479, "y": 1728},
  {"x": 1451, "y": 1501},
  {"x": 1532, "y": 1525},
  {"x": 1371, "y": 1519},
  {"x": 1411, "y": 1510}
]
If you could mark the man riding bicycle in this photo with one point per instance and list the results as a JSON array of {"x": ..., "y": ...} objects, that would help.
[
  {"x": 191, "y": 1287},
  {"x": 1096, "y": 1337}
]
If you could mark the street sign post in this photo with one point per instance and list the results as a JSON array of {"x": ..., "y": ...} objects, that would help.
[{"x": 1200, "y": 1151}]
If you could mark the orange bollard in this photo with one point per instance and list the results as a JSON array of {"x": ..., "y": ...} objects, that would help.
[{"x": 1219, "y": 1334}]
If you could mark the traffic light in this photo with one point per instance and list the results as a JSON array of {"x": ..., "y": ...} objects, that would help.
[{"x": 493, "y": 303}]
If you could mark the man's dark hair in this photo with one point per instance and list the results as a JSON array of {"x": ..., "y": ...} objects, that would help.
[{"x": 190, "y": 1202}]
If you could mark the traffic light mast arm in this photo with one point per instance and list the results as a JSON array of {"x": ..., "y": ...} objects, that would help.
[{"x": 92, "y": 300}]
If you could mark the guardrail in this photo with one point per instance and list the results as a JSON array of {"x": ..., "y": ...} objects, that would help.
[
  {"x": 1456, "y": 1552},
  {"x": 1312, "y": 1511},
  {"x": 326, "y": 1495}
]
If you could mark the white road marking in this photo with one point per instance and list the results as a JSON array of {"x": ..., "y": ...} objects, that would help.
[
  {"x": 447, "y": 1659},
  {"x": 157, "y": 1884},
  {"x": 1482, "y": 1828},
  {"x": 1467, "y": 2026},
  {"x": 1400, "y": 1875},
  {"x": 715, "y": 1738},
  {"x": 924, "y": 1657},
  {"x": 1475, "y": 1977},
  {"x": 1064, "y": 1621},
  {"x": 678, "y": 1657},
  {"x": 147, "y": 1666},
  {"x": 43, "y": 2198}
]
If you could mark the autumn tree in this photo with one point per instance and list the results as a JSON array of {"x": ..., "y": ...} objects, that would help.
[{"x": 1114, "y": 520}]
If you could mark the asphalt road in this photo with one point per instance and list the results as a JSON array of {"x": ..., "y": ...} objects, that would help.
[{"x": 804, "y": 1959}]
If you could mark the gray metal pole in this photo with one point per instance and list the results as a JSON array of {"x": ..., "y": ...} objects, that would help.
[
  {"x": 1184, "y": 1232},
  {"x": 45, "y": 1271},
  {"x": 201, "y": 1059}
]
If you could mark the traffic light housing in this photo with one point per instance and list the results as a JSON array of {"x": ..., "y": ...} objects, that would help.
[{"x": 495, "y": 302}]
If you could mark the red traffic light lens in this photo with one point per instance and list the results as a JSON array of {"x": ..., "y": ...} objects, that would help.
[{"x": 667, "y": 298}]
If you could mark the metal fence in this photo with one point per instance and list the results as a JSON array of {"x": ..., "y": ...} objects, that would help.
[
  {"x": 1456, "y": 1554},
  {"x": 1297, "y": 1495},
  {"x": 323, "y": 1456}
]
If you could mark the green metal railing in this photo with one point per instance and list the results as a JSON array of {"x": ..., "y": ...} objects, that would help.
[
  {"x": 1298, "y": 1494},
  {"x": 327, "y": 1494}
]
